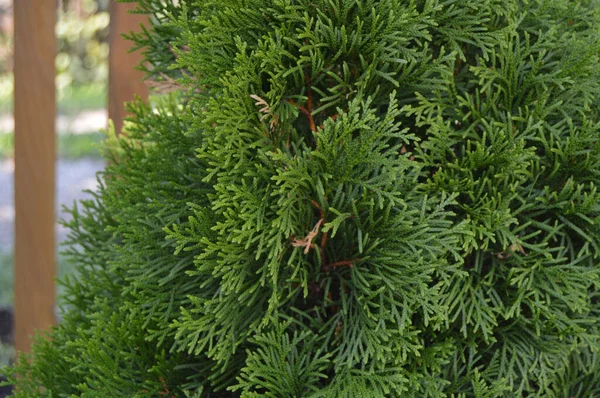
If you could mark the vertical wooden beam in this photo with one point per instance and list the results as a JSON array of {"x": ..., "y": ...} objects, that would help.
[
  {"x": 34, "y": 109},
  {"x": 124, "y": 82}
]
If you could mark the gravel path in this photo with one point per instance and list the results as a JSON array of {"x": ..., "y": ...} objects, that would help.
[{"x": 73, "y": 176}]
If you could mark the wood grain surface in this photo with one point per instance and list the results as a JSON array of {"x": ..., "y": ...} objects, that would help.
[
  {"x": 34, "y": 111},
  {"x": 124, "y": 81}
]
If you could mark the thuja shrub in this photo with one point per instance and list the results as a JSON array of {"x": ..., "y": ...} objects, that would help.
[{"x": 343, "y": 198}]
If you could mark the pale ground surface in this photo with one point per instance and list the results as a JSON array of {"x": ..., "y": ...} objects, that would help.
[
  {"x": 83, "y": 122},
  {"x": 72, "y": 176}
]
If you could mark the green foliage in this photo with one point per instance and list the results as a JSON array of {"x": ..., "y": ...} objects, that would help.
[{"x": 349, "y": 198}]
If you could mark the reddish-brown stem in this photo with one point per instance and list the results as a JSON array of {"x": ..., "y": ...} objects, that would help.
[
  {"x": 324, "y": 238},
  {"x": 314, "y": 203},
  {"x": 309, "y": 104},
  {"x": 309, "y": 108},
  {"x": 325, "y": 234},
  {"x": 300, "y": 108},
  {"x": 328, "y": 267},
  {"x": 349, "y": 263},
  {"x": 306, "y": 111},
  {"x": 323, "y": 243}
]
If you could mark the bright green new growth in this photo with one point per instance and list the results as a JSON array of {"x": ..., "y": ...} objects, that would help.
[{"x": 344, "y": 198}]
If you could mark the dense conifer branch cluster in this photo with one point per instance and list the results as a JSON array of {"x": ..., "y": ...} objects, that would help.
[{"x": 344, "y": 198}]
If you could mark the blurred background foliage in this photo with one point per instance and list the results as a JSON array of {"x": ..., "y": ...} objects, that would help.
[
  {"x": 82, "y": 32},
  {"x": 82, "y": 59}
]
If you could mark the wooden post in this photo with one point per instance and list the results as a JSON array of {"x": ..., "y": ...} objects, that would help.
[
  {"x": 34, "y": 111},
  {"x": 124, "y": 82}
]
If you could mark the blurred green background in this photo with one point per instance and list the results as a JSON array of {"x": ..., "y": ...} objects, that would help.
[{"x": 81, "y": 62}]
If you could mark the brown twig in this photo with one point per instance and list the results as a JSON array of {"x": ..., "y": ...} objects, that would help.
[
  {"x": 266, "y": 111},
  {"x": 309, "y": 108},
  {"x": 349, "y": 263},
  {"x": 309, "y": 105},
  {"x": 168, "y": 84},
  {"x": 514, "y": 248},
  {"x": 307, "y": 241},
  {"x": 300, "y": 108},
  {"x": 325, "y": 234},
  {"x": 306, "y": 111}
]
